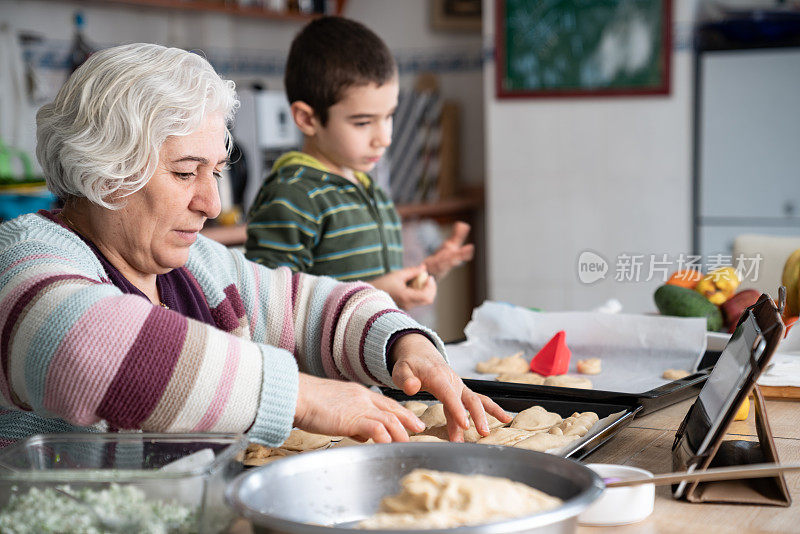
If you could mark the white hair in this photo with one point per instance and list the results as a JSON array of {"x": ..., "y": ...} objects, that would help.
[{"x": 101, "y": 136}]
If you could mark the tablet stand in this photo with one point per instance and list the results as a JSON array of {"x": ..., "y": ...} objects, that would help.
[{"x": 768, "y": 490}]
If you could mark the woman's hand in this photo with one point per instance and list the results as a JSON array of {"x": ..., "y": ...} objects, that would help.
[
  {"x": 418, "y": 365},
  {"x": 396, "y": 283},
  {"x": 452, "y": 253},
  {"x": 336, "y": 408}
]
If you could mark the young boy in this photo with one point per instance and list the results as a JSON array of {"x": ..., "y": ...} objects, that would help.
[{"x": 318, "y": 211}]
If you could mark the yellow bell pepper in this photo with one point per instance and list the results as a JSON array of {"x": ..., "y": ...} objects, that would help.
[
  {"x": 743, "y": 411},
  {"x": 719, "y": 285}
]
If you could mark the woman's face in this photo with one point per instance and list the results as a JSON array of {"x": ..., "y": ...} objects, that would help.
[{"x": 152, "y": 232}]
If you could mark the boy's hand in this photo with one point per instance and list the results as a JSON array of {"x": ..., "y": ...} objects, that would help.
[
  {"x": 418, "y": 365},
  {"x": 452, "y": 253},
  {"x": 398, "y": 285}
]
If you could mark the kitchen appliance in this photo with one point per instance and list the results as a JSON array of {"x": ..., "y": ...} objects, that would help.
[{"x": 328, "y": 492}]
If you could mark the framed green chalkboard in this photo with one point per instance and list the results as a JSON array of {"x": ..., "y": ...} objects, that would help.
[{"x": 552, "y": 48}]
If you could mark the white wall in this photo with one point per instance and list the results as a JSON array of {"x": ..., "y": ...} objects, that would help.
[{"x": 612, "y": 175}]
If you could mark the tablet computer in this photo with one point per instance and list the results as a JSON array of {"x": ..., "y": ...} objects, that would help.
[{"x": 729, "y": 383}]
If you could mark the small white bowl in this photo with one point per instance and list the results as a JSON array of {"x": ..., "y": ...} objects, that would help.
[{"x": 619, "y": 506}]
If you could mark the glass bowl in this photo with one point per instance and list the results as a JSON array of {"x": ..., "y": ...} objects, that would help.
[{"x": 146, "y": 482}]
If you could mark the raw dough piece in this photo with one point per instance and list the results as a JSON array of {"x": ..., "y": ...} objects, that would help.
[
  {"x": 589, "y": 366},
  {"x": 535, "y": 418},
  {"x": 577, "y": 424},
  {"x": 675, "y": 374},
  {"x": 438, "y": 432},
  {"x": 420, "y": 280},
  {"x": 514, "y": 364},
  {"x": 415, "y": 407},
  {"x": 505, "y": 436},
  {"x": 433, "y": 416},
  {"x": 300, "y": 440},
  {"x": 521, "y": 378},
  {"x": 471, "y": 434},
  {"x": 434, "y": 499},
  {"x": 545, "y": 441},
  {"x": 256, "y": 454},
  {"x": 426, "y": 439},
  {"x": 349, "y": 442},
  {"x": 568, "y": 381}
]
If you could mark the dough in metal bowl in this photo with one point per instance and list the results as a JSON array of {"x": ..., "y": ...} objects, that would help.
[{"x": 435, "y": 499}]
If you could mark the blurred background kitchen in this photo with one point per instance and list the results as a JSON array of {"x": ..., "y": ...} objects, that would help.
[{"x": 642, "y": 175}]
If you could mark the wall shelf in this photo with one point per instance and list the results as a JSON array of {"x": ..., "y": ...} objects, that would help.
[{"x": 225, "y": 8}]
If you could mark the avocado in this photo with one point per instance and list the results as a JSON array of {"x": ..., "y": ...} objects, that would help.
[{"x": 682, "y": 302}]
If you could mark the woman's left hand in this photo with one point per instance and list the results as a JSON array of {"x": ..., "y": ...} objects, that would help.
[{"x": 418, "y": 365}]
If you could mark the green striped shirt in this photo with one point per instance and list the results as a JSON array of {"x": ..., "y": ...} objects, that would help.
[{"x": 320, "y": 223}]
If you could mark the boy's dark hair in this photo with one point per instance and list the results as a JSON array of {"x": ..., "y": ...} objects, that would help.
[{"x": 330, "y": 55}]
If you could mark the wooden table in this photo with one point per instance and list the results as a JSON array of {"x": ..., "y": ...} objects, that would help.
[{"x": 647, "y": 443}]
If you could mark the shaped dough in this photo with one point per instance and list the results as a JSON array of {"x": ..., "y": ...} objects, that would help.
[
  {"x": 438, "y": 432},
  {"x": 535, "y": 418},
  {"x": 675, "y": 374},
  {"x": 545, "y": 441},
  {"x": 420, "y": 280},
  {"x": 514, "y": 364},
  {"x": 471, "y": 434},
  {"x": 415, "y": 407},
  {"x": 577, "y": 424},
  {"x": 505, "y": 436},
  {"x": 568, "y": 381},
  {"x": 426, "y": 439},
  {"x": 349, "y": 442},
  {"x": 523, "y": 378},
  {"x": 256, "y": 454},
  {"x": 433, "y": 416},
  {"x": 300, "y": 440},
  {"x": 590, "y": 366}
]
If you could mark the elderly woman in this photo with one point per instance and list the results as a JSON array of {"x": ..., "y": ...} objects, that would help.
[{"x": 117, "y": 314}]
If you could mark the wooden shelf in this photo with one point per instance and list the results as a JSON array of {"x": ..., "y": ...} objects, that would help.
[
  {"x": 226, "y": 8},
  {"x": 466, "y": 202},
  {"x": 464, "y": 205}
]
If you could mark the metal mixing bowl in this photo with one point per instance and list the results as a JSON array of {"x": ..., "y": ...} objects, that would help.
[{"x": 329, "y": 491}]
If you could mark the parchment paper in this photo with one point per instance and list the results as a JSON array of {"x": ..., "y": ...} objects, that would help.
[
  {"x": 784, "y": 367},
  {"x": 634, "y": 349}
]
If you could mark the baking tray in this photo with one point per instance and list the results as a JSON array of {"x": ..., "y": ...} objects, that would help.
[
  {"x": 649, "y": 401},
  {"x": 514, "y": 401},
  {"x": 565, "y": 401}
]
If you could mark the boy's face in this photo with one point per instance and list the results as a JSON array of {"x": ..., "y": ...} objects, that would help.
[{"x": 358, "y": 131}]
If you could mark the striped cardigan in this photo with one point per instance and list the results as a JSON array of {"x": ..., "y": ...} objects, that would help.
[{"x": 76, "y": 354}]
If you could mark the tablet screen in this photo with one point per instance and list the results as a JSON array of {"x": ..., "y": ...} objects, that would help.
[{"x": 723, "y": 384}]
